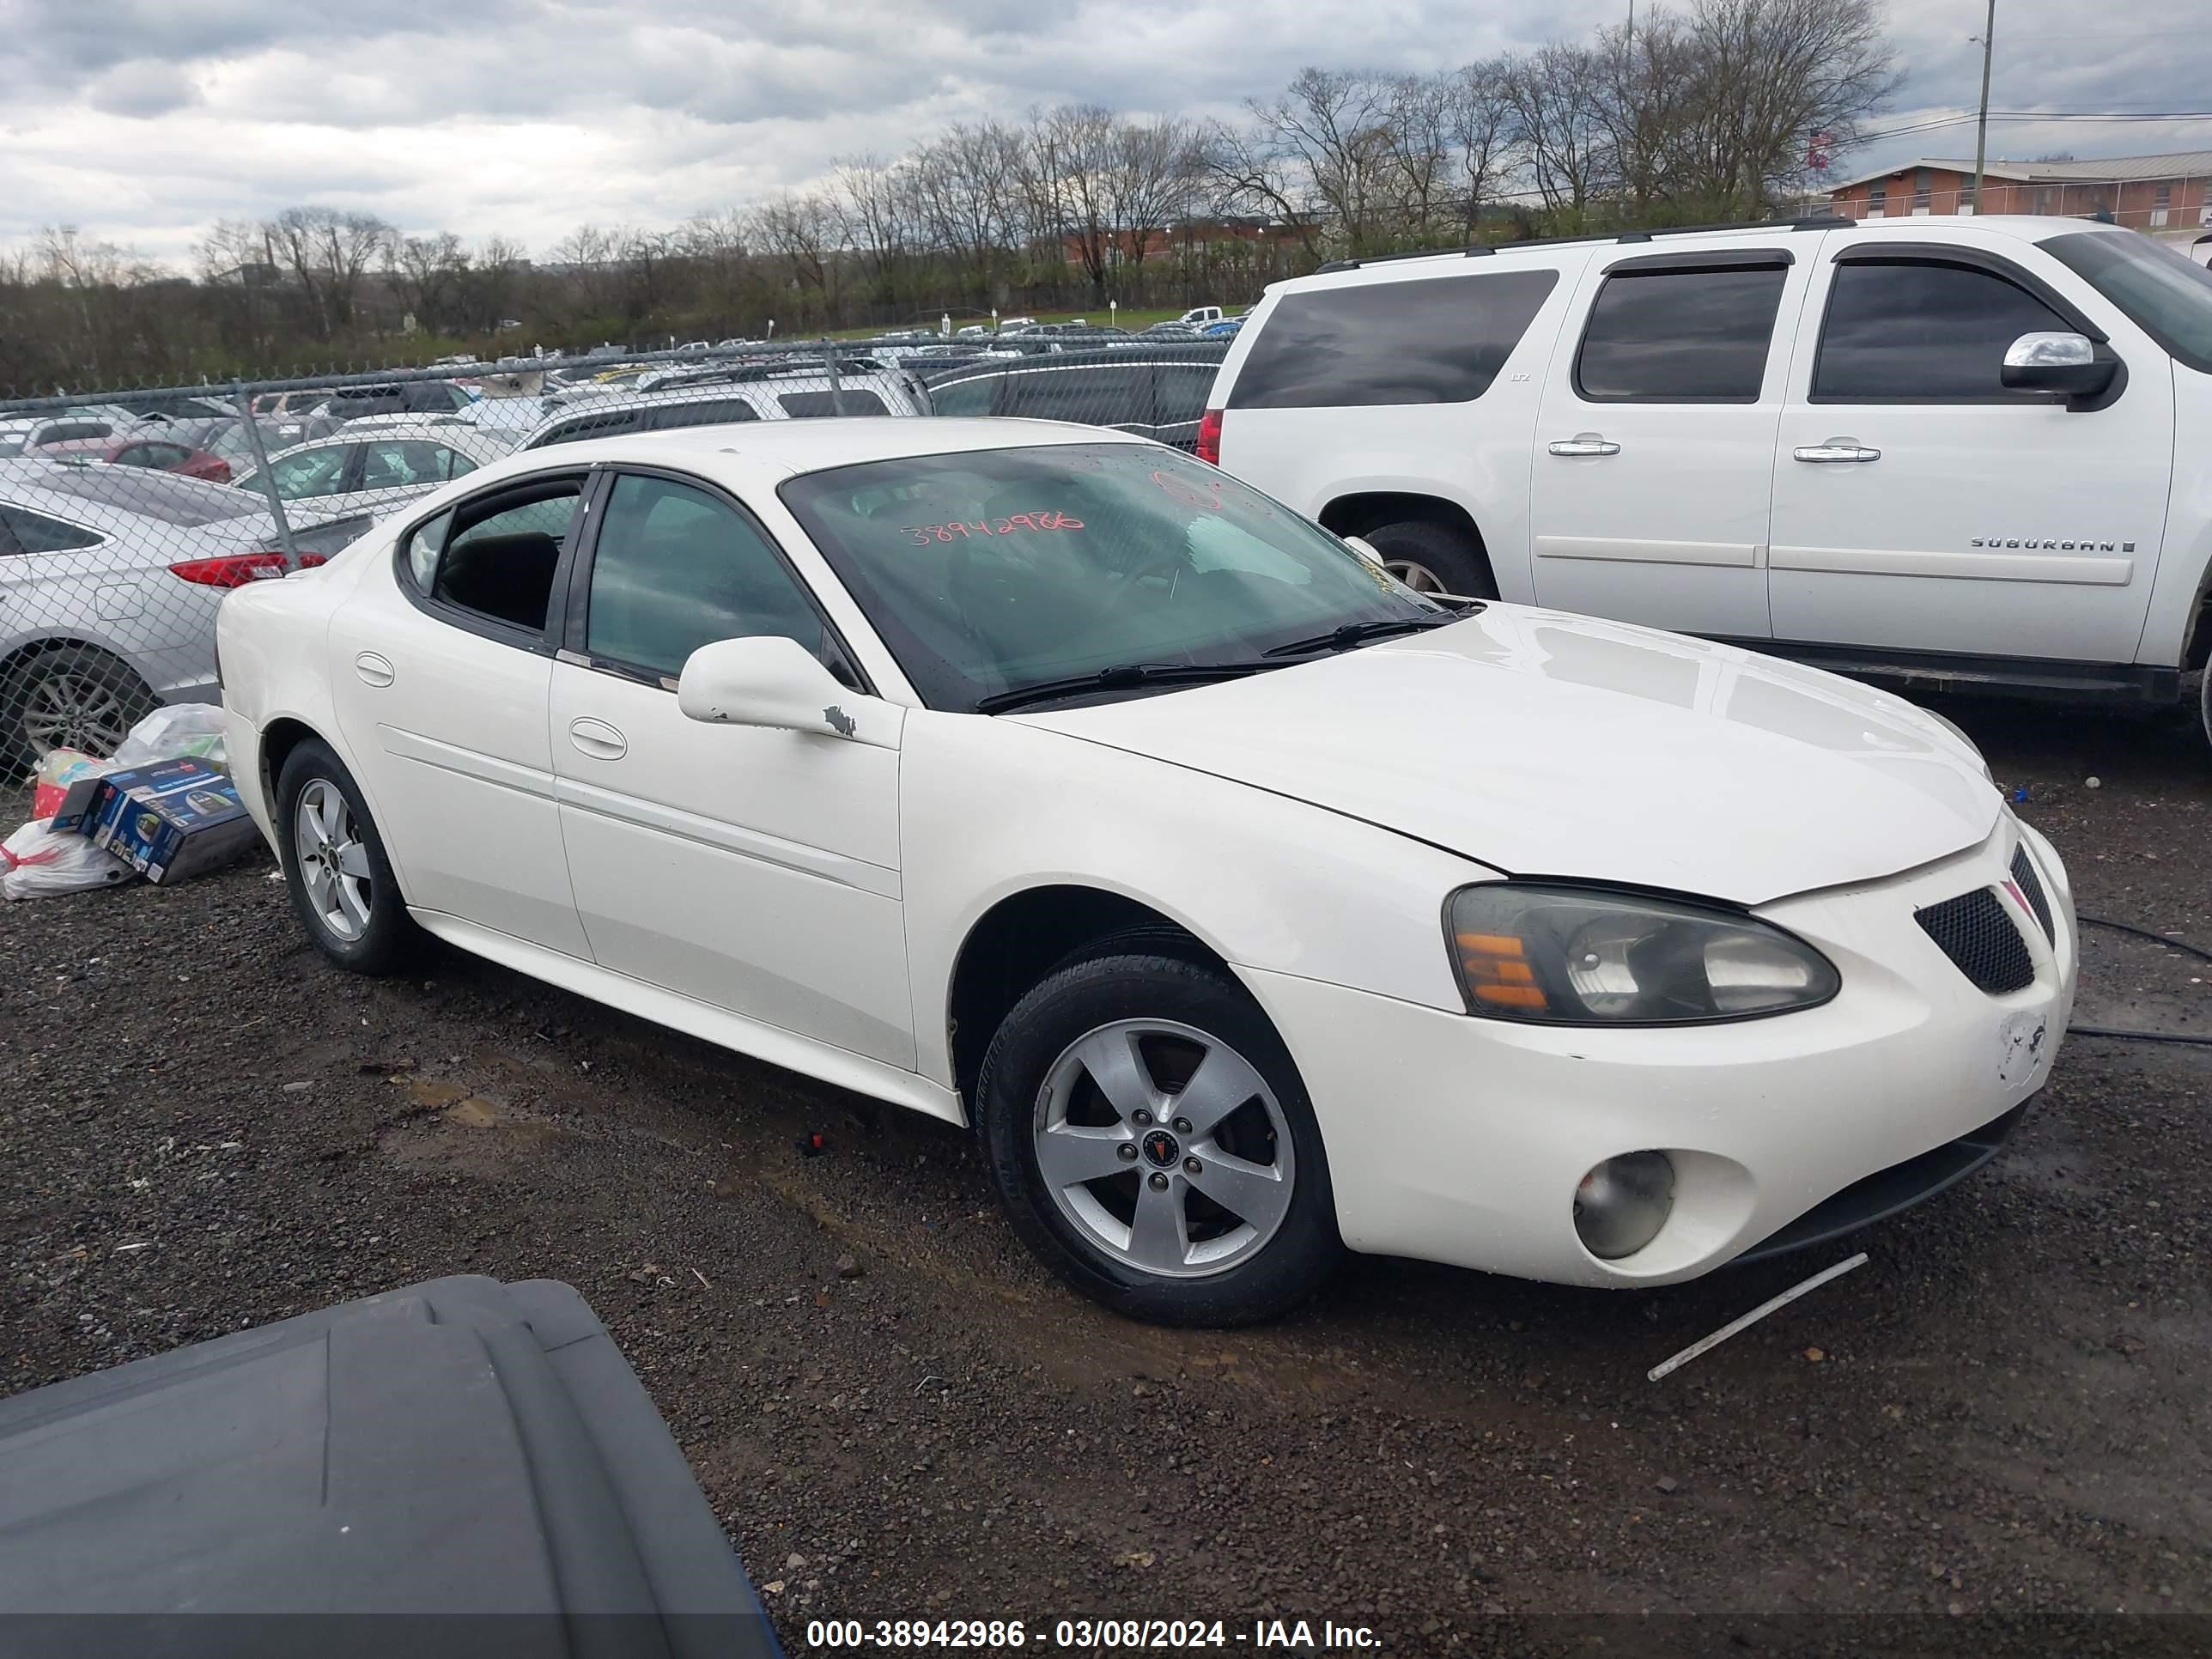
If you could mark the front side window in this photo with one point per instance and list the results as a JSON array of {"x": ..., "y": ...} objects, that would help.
[
  {"x": 675, "y": 568},
  {"x": 1681, "y": 337},
  {"x": 25, "y": 531},
  {"x": 2168, "y": 296},
  {"x": 986, "y": 571},
  {"x": 309, "y": 472},
  {"x": 400, "y": 463},
  {"x": 1907, "y": 331},
  {"x": 1428, "y": 340}
]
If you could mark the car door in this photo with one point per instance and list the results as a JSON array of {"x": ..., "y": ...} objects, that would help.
[
  {"x": 440, "y": 670},
  {"x": 752, "y": 869},
  {"x": 1655, "y": 439},
  {"x": 1919, "y": 505}
]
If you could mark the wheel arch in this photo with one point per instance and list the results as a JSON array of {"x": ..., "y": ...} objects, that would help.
[
  {"x": 1022, "y": 937},
  {"x": 1358, "y": 512}
]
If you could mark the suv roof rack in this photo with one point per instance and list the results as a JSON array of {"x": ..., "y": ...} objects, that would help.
[{"x": 1484, "y": 250}]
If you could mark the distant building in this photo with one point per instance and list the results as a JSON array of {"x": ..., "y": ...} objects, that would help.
[
  {"x": 2165, "y": 195},
  {"x": 1121, "y": 245}
]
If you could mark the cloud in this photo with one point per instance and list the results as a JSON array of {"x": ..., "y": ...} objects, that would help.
[
  {"x": 143, "y": 89},
  {"x": 527, "y": 117}
]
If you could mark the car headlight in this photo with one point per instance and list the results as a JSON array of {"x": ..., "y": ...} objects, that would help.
[{"x": 1573, "y": 955}]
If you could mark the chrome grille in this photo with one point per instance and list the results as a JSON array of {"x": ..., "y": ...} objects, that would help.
[{"x": 1976, "y": 932}]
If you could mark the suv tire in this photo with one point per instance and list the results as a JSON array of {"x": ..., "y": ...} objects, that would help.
[{"x": 1433, "y": 558}]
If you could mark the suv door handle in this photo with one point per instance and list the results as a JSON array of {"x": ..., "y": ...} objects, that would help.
[
  {"x": 1583, "y": 443},
  {"x": 597, "y": 739},
  {"x": 1837, "y": 449}
]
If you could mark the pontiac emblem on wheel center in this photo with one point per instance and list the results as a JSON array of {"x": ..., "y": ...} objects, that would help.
[{"x": 1160, "y": 1147}]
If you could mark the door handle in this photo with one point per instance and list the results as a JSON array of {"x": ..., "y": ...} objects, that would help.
[
  {"x": 1837, "y": 449},
  {"x": 597, "y": 739},
  {"x": 373, "y": 668},
  {"x": 1583, "y": 443}
]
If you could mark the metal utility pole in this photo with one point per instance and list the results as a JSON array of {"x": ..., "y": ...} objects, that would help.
[{"x": 1982, "y": 125}]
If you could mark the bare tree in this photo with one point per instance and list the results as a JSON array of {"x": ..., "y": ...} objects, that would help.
[
  {"x": 1151, "y": 178},
  {"x": 1481, "y": 120},
  {"x": 327, "y": 251},
  {"x": 1559, "y": 99},
  {"x": 1329, "y": 133},
  {"x": 961, "y": 181},
  {"x": 427, "y": 273},
  {"x": 1417, "y": 142}
]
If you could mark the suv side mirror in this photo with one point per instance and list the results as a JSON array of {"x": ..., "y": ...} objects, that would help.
[
  {"x": 2069, "y": 365},
  {"x": 770, "y": 680},
  {"x": 1366, "y": 550}
]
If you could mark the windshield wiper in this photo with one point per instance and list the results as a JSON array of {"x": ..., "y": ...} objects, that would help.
[
  {"x": 1120, "y": 676},
  {"x": 1359, "y": 633}
]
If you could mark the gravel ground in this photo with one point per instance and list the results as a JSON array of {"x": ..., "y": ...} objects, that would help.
[{"x": 2001, "y": 1420}]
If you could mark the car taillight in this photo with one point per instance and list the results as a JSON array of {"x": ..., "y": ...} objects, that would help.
[
  {"x": 1209, "y": 437},
  {"x": 236, "y": 569}
]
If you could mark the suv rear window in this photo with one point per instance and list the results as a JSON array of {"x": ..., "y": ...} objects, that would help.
[
  {"x": 1432, "y": 340},
  {"x": 1681, "y": 337}
]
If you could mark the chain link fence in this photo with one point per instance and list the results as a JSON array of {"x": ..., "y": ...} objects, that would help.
[{"x": 125, "y": 515}]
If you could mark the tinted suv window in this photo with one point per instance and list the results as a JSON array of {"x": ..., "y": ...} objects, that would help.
[
  {"x": 1095, "y": 396},
  {"x": 1680, "y": 336},
  {"x": 1921, "y": 333},
  {"x": 593, "y": 426},
  {"x": 799, "y": 405},
  {"x": 1438, "y": 340},
  {"x": 969, "y": 397},
  {"x": 675, "y": 568},
  {"x": 716, "y": 412}
]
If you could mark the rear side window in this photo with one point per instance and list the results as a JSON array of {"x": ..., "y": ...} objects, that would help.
[
  {"x": 1438, "y": 340},
  {"x": 1923, "y": 333},
  {"x": 1095, "y": 397},
  {"x": 801, "y": 405},
  {"x": 1680, "y": 336},
  {"x": 34, "y": 533},
  {"x": 498, "y": 562},
  {"x": 718, "y": 412},
  {"x": 969, "y": 397},
  {"x": 595, "y": 426}
]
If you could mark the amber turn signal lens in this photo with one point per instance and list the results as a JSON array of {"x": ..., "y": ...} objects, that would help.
[{"x": 1495, "y": 972}]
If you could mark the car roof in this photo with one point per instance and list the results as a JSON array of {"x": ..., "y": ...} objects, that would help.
[
  {"x": 1917, "y": 227},
  {"x": 762, "y": 453},
  {"x": 1207, "y": 353}
]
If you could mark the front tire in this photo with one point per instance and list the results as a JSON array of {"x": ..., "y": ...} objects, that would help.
[
  {"x": 342, "y": 885},
  {"x": 1433, "y": 558},
  {"x": 1151, "y": 1142}
]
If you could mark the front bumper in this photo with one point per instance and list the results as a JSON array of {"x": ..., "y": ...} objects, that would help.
[{"x": 1460, "y": 1140}]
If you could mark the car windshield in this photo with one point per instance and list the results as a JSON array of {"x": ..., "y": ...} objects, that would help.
[
  {"x": 2168, "y": 296},
  {"x": 986, "y": 571},
  {"x": 169, "y": 497}
]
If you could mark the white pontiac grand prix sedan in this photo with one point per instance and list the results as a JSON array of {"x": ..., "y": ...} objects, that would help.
[{"x": 1051, "y": 781}]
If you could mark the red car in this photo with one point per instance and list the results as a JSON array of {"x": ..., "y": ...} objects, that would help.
[{"x": 158, "y": 453}]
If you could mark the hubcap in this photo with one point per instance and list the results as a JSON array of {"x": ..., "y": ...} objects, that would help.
[
  {"x": 333, "y": 863},
  {"x": 70, "y": 710},
  {"x": 1179, "y": 1204},
  {"x": 1418, "y": 577}
]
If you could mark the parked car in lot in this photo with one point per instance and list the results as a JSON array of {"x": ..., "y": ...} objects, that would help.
[
  {"x": 29, "y": 434},
  {"x": 162, "y": 454},
  {"x": 717, "y": 397},
  {"x": 227, "y": 437},
  {"x": 1955, "y": 453},
  {"x": 351, "y": 402},
  {"x": 381, "y": 470},
  {"x": 1154, "y": 391},
  {"x": 1052, "y": 781},
  {"x": 110, "y": 577},
  {"x": 1200, "y": 316}
]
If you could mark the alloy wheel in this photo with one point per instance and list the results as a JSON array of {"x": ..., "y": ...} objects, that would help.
[
  {"x": 333, "y": 862},
  {"x": 1164, "y": 1148},
  {"x": 1418, "y": 577},
  {"x": 70, "y": 709}
]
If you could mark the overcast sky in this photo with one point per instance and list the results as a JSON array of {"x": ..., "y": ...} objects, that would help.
[{"x": 142, "y": 121}]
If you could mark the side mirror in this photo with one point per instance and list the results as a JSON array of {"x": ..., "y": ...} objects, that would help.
[
  {"x": 2069, "y": 365},
  {"x": 768, "y": 680},
  {"x": 1366, "y": 549}
]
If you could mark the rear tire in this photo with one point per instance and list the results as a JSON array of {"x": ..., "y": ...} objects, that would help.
[
  {"x": 73, "y": 696},
  {"x": 1188, "y": 1185},
  {"x": 342, "y": 885},
  {"x": 1433, "y": 558}
]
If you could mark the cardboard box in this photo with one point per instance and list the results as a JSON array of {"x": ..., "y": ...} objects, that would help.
[{"x": 172, "y": 820}]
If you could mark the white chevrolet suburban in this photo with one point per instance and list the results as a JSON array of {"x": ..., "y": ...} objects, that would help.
[{"x": 1953, "y": 453}]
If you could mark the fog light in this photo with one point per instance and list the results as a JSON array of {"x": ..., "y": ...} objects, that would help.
[{"x": 1621, "y": 1205}]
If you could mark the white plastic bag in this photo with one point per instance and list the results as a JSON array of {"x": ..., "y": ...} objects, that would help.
[
  {"x": 172, "y": 731},
  {"x": 36, "y": 862}
]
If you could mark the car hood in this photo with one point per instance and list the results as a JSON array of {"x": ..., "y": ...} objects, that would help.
[{"x": 1546, "y": 745}]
